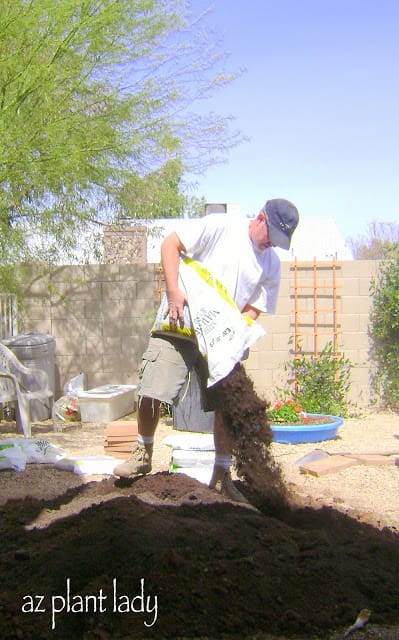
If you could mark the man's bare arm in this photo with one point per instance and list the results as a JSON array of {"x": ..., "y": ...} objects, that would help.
[{"x": 171, "y": 248}]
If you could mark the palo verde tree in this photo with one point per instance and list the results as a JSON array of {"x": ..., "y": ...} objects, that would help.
[
  {"x": 96, "y": 116},
  {"x": 159, "y": 194}
]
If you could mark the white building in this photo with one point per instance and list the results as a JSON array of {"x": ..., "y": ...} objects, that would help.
[{"x": 317, "y": 238}]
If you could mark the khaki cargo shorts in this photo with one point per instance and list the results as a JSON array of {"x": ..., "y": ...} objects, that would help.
[{"x": 165, "y": 366}]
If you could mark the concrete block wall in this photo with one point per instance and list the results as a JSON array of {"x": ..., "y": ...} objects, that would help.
[
  {"x": 269, "y": 355},
  {"x": 354, "y": 319},
  {"x": 100, "y": 317}
]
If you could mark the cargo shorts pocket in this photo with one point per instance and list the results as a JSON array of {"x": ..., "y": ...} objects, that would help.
[{"x": 151, "y": 355}]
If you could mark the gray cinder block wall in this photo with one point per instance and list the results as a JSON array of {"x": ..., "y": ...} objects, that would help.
[
  {"x": 100, "y": 317},
  {"x": 353, "y": 303}
]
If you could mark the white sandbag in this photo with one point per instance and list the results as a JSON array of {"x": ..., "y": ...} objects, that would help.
[
  {"x": 199, "y": 441},
  {"x": 42, "y": 451},
  {"x": 190, "y": 458},
  {"x": 95, "y": 465},
  {"x": 202, "y": 474},
  {"x": 11, "y": 457},
  {"x": 37, "y": 451},
  {"x": 66, "y": 464},
  {"x": 223, "y": 333}
]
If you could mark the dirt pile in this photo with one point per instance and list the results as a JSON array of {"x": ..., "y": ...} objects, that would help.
[{"x": 167, "y": 558}]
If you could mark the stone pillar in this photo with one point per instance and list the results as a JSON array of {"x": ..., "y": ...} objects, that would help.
[{"x": 125, "y": 245}]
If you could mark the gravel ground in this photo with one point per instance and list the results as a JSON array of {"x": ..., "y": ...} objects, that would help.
[{"x": 370, "y": 490}]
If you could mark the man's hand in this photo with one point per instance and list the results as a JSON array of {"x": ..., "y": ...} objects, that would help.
[
  {"x": 251, "y": 312},
  {"x": 175, "y": 308},
  {"x": 171, "y": 249}
]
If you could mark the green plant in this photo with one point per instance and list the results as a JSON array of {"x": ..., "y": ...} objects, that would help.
[
  {"x": 384, "y": 330},
  {"x": 319, "y": 383},
  {"x": 287, "y": 411}
]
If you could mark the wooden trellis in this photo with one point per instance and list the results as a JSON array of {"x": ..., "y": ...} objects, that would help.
[
  {"x": 160, "y": 286},
  {"x": 315, "y": 306}
]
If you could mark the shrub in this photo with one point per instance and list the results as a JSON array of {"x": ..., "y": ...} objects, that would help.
[
  {"x": 384, "y": 331},
  {"x": 320, "y": 383}
]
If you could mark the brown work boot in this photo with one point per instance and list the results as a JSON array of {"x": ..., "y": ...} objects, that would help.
[
  {"x": 138, "y": 464},
  {"x": 222, "y": 483}
]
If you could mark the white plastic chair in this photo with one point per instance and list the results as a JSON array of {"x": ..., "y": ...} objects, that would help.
[{"x": 19, "y": 385}]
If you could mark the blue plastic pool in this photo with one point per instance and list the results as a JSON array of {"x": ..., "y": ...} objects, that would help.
[{"x": 297, "y": 433}]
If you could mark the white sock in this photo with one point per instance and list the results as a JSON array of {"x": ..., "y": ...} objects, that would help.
[
  {"x": 145, "y": 441},
  {"x": 223, "y": 461}
]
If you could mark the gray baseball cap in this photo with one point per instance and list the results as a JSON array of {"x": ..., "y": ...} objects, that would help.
[{"x": 283, "y": 218}]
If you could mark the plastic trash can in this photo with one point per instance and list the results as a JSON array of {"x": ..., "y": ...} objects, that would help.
[{"x": 36, "y": 350}]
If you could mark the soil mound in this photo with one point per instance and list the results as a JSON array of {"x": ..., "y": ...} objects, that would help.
[{"x": 167, "y": 558}]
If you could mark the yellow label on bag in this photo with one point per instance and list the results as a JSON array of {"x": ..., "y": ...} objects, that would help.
[
  {"x": 162, "y": 325},
  {"x": 210, "y": 310}
]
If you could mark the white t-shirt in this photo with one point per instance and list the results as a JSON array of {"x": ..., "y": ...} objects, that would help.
[{"x": 222, "y": 244}]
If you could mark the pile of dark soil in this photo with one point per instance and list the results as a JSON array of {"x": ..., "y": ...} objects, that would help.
[{"x": 165, "y": 557}]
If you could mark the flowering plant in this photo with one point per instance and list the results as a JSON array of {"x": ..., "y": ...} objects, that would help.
[
  {"x": 319, "y": 383},
  {"x": 287, "y": 411}
]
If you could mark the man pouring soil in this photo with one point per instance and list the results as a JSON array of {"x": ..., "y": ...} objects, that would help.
[{"x": 240, "y": 255}]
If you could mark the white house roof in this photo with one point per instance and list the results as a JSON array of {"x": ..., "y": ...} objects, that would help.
[{"x": 317, "y": 238}]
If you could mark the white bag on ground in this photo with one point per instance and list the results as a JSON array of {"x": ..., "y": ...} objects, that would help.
[
  {"x": 95, "y": 465},
  {"x": 88, "y": 465},
  {"x": 190, "y": 458},
  {"x": 67, "y": 407},
  {"x": 202, "y": 474},
  {"x": 11, "y": 457},
  {"x": 193, "y": 441},
  {"x": 35, "y": 450}
]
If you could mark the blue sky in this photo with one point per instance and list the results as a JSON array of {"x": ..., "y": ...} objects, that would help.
[{"x": 319, "y": 101}]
